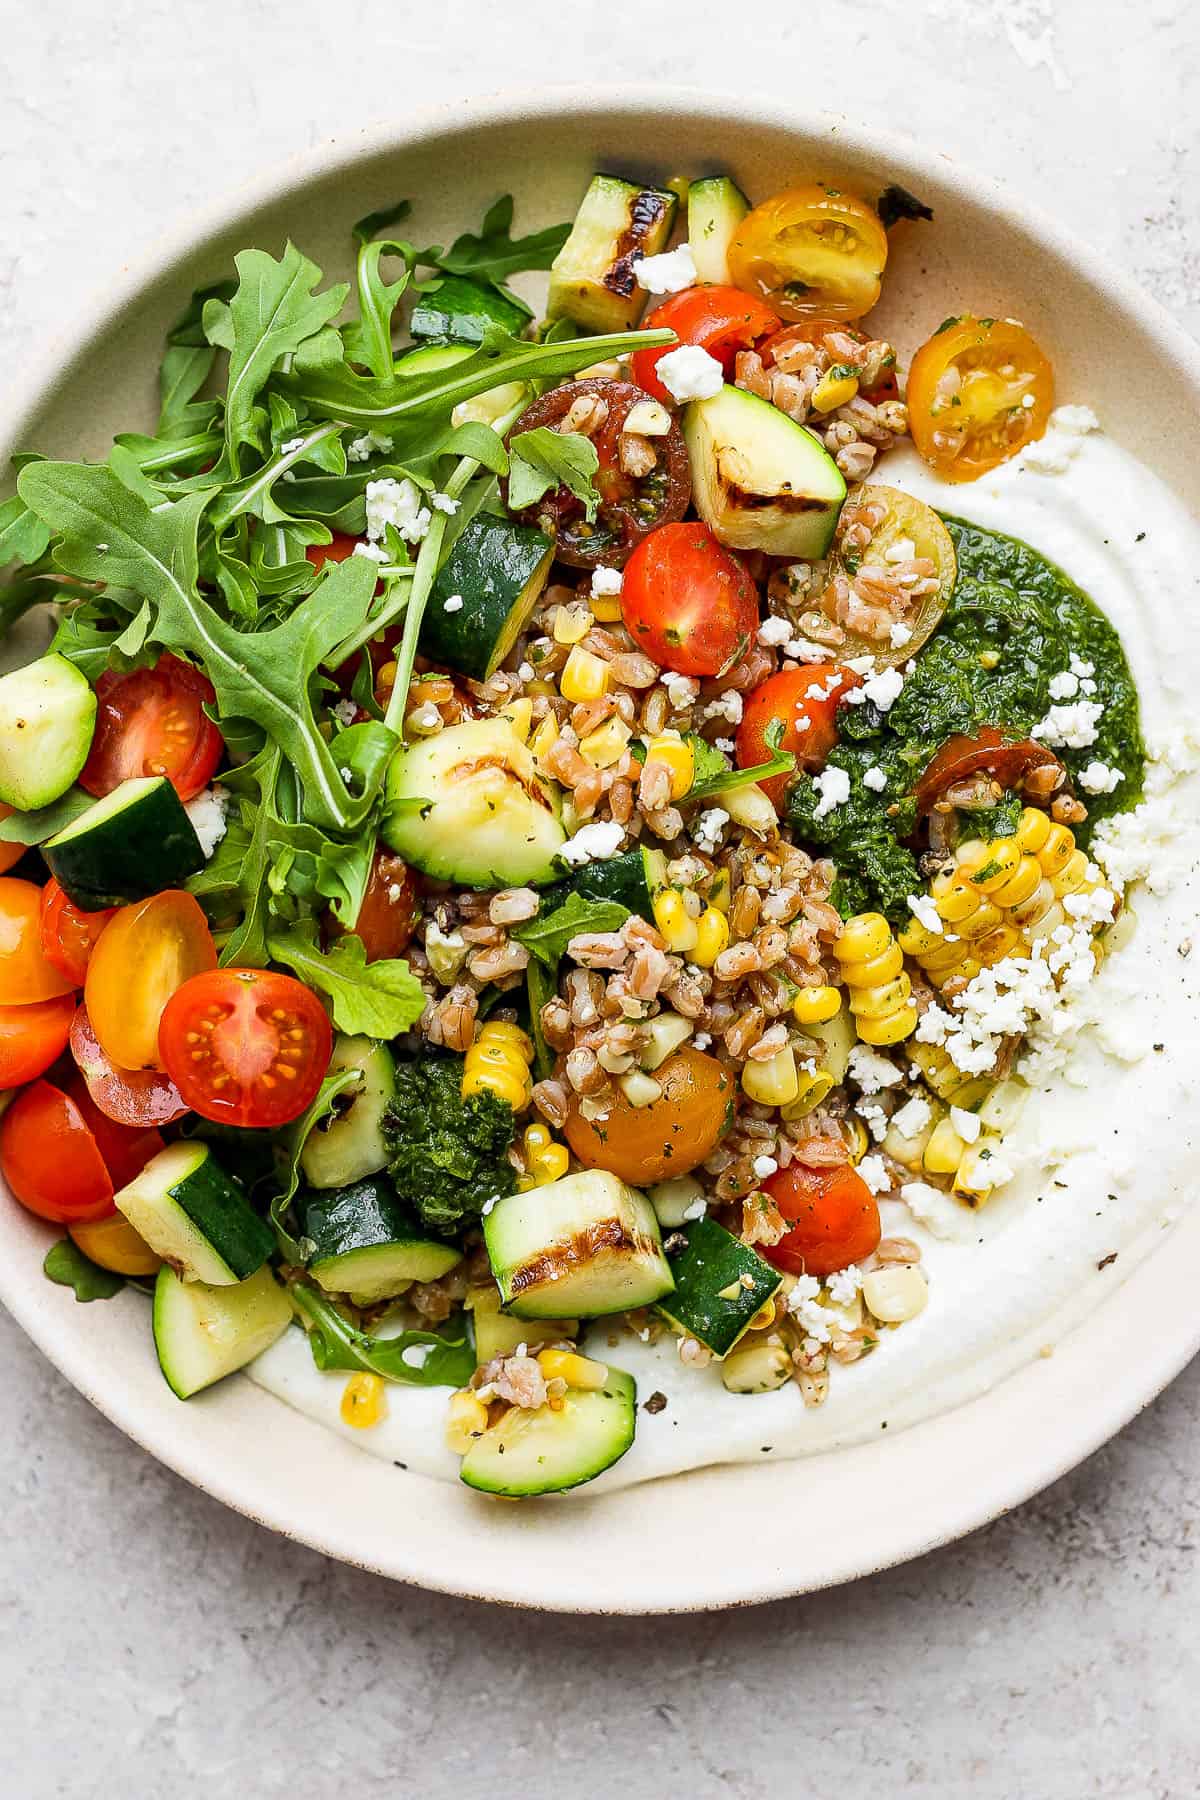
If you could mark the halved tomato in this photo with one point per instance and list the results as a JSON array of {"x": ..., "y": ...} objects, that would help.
[
  {"x": 890, "y": 577},
  {"x": 128, "y": 1096},
  {"x": 144, "y": 953},
  {"x": 1007, "y": 760},
  {"x": 68, "y": 935},
  {"x": 153, "y": 722},
  {"x": 687, "y": 601},
  {"x": 126, "y": 1149},
  {"x": 50, "y": 1158},
  {"x": 32, "y": 1037},
  {"x": 811, "y": 252},
  {"x": 805, "y": 703},
  {"x": 337, "y": 551},
  {"x": 25, "y": 973},
  {"x": 721, "y": 320},
  {"x": 246, "y": 1046},
  {"x": 978, "y": 392},
  {"x": 390, "y": 909},
  {"x": 835, "y": 1219}
]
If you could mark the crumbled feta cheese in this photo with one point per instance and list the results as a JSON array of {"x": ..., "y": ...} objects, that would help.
[
  {"x": 1072, "y": 725},
  {"x": 359, "y": 449},
  {"x": 487, "y": 1206},
  {"x": 695, "y": 1209},
  {"x": 709, "y": 828},
  {"x": 446, "y": 951},
  {"x": 1064, "y": 686},
  {"x": 452, "y": 603},
  {"x": 344, "y": 712},
  {"x": 373, "y": 552},
  {"x": 593, "y": 843},
  {"x": 941, "y": 1215},
  {"x": 1084, "y": 670},
  {"x": 926, "y": 913},
  {"x": 765, "y": 1166},
  {"x": 774, "y": 631},
  {"x": 444, "y": 503},
  {"x": 690, "y": 373},
  {"x": 882, "y": 690},
  {"x": 669, "y": 273},
  {"x": 396, "y": 503},
  {"x": 965, "y": 1123},
  {"x": 806, "y": 1308},
  {"x": 1094, "y": 908},
  {"x": 682, "y": 691},
  {"x": 833, "y": 785},
  {"x": 875, "y": 779},
  {"x": 1053, "y": 453},
  {"x": 899, "y": 634},
  {"x": 292, "y": 444},
  {"x": 861, "y": 665},
  {"x": 903, "y": 550},
  {"x": 726, "y": 706},
  {"x": 873, "y": 1117},
  {"x": 525, "y": 671},
  {"x": 725, "y": 745},
  {"x": 207, "y": 814},
  {"x": 1099, "y": 778},
  {"x": 871, "y": 1071},
  {"x": 874, "y": 1171},
  {"x": 911, "y": 1119},
  {"x": 844, "y": 1285},
  {"x": 606, "y": 581}
]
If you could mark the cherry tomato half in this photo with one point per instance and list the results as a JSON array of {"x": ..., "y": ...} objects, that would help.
[
  {"x": 50, "y": 1159},
  {"x": 670, "y": 1136},
  {"x": 811, "y": 252},
  {"x": 32, "y": 1037},
  {"x": 836, "y": 1219},
  {"x": 688, "y": 601},
  {"x": 68, "y": 935},
  {"x": 1007, "y": 760},
  {"x": 153, "y": 722},
  {"x": 978, "y": 392},
  {"x": 390, "y": 909},
  {"x": 129, "y": 1096},
  {"x": 341, "y": 547},
  {"x": 115, "y": 1245},
  {"x": 10, "y": 854},
  {"x": 25, "y": 973},
  {"x": 246, "y": 1046},
  {"x": 143, "y": 954},
  {"x": 805, "y": 702},
  {"x": 126, "y": 1150},
  {"x": 630, "y": 505},
  {"x": 721, "y": 320},
  {"x": 866, "y": 595}
]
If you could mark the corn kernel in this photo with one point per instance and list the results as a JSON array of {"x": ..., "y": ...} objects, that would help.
[
  {"x": 835, "y": 388},
  {"x": 519, "y": 714},
  {"x": 863, "y": 937},
  {"x": 680, "y": 932},
  {"x": 756, "y": 1368},
  {"x": 893, "y": 1028},
  {"x": 1033, "y": 830},
  {"x": 774, "y": 1081},
  {"x": 607, "y": 744},
  {"x": 812, "y": 1087},
  {"x": 502, "y": 1031},
  {"x": 577, "y": 1371},
  {"x": 944, "y": 1151},
  {"x": 536, "y": 1138},
  {"x": 712, "y": 935},
  {"x": 680, "y": 760},
  {"x": 896, "y": 1293},
  {"x": 466, "y": 1420},
  {"x": 363, "y": 1403},
  {"x": 606, "y": 608},
  {"x": 817, "y": 1005},
  {"x": 975, "y": 1177},
  {"x": 552, "y": 1164},
  {"x": 720, "y": 890},
  {"x": 878, "y": 1002},
  {"x": 988, "y": 866},
  {"x": 545, "y": 735},
  {"x": 571, "y": 623},
  {"x": 1057, "y": 850},
  {"x": 584, "y": 677}
]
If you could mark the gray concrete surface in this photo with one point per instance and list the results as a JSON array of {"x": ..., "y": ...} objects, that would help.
[{"x": 152, "y": 1643}]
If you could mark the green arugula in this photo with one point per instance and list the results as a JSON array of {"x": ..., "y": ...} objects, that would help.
[
  {"x": 44, "y": 821},
  {"x": 712, "y": 780},
  {"x": 23, "y": 536},
  {"x": 413, "y": 1358},
  {"x": 380, "y": 999},
  {"x": 546, "y": 937},
  {"x": 542, "y": 459},
  {"x": 494, "y": 254},
  {"x": 67, "y": 1265},
  {"x": 289, "y": 1149}
]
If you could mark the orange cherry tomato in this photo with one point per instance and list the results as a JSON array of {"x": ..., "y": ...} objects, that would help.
[
  {"x": 835, "y": 1219},
  {"x": 390, "y": 909},
  {"x": 129, "y": 1096},
  {"x": 10, "y": 854},
  {"x": 115, "y": 1245},
  {"x": 153, "y": 722},
  {"x": 721, "y": 320},
  {"x": 51, "y": 1160},
  {"x": 805, "y": 702},
  {"x": 68, "y": 935},
  {"x": 32, "y": 1037},
  {"x": 143, "y": 954},
  {"x": 669, "y": 1137},
  {"x": 126, "y": 1150},
  {"x": 687, "y": 601},
  {"x": 811, "y": 252},
  {"x": 246, "y": 1046},
  {"x": 978, "y": 392},
  {"x": 335, "y": 552},
  {"x": 25, "y": 973}
]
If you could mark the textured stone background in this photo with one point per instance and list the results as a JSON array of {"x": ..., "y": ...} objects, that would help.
[{"x": 152, "y": 1643}]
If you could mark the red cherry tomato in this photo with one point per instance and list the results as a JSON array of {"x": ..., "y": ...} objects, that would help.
[
  {"x": 390, "y": 909},
  {"x": 721, "y": 320},
  {"x": 335, "y": 552},
  {"x": 246, "y": 1046},
  {"x": 809, "y": 719},
  {"x": 688, "y": 601},
  {"x": 836, "y": 1219},
  {"x": 1009, "y": 760},
  {"x": 129, "y": 1096},
  {"x": 25, "y": 974},
  {"x": 51, "y": 1160},
  {"x": 68, "y": 935},
  {"x": 32, "y": 1037},
  {"x": 153, "y": 722},
  {"x": 126, "y": 1150}
]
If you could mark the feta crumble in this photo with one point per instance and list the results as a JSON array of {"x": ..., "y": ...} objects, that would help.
[
  {"x": 899, "y": 634},
  {"x": 682, "y": 691},
  {"x": 292, "y": 444},
  {"x": 373, "y": 552},
  {"x": 452, "y": 603},
  {"x": 344, "y": 712},
  {"x": 1072, "y": 725},
  {"x": 774, "y": 631},
  {"x": 606, "y": 581},
  {"x": 911, "y": 1119},
  {"x": 669, "y": 273},
  {"x": 1100, "y": 778},
  {"x": 444, "y": 503},
  {"x": 875, "y": 779},
  {"x": 359, "y": 449},
  {"x": 207, "y": 814},
  {"x": 398, "y": 504},
  {"x": 871, "y": 1071},
  {"x": 710, "y": 827},
  {"x": 844, "y": 1285},
  {"x": 1066, "y": 429},
  {"x": 765, "y": 1166},
  {"x": 926, "y": 913},
  {"x": 833, "y": 785},
  {"x": 874, "y": 1171},
  {"x": 690, "y": 373},
  {"x": 593, "y": 843},
  {"x": 967, "y": 1124}
]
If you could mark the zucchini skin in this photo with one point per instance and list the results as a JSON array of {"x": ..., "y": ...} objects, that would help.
[
  {"x": 713, "y": 1260},
  {"x": 499, "y": 568},
  {"x": 460, "y": 310},
  {"x": 545, "y": 1452},
  {"x": 128, "y": 853},
  {"x": 196, "y": 1216},
  {"x": 366, "y": 1244}
]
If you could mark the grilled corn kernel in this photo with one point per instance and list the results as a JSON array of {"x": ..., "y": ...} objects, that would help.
[
  {"x": 607, "y": 744},
  {"x": 892, "y": 1028},
  {"x": 545, "y": 735},
  {"x": 873, "y": 971},
  {"x": 816, "y": 1005},
  {"x": 519, "y": 714},
  {"x": 773, "y": 1082},
  {"x": 712, "y": 935},
  {"x": 680, "y": 931},
  {"x": 466, "y": 1419},
  {"x": 551, "y": 1165},
  {"x": 680, "y": 760},
  {"x": 363, "y": 1403},
  {"x": 944, "y": 1151},
  {"x": 896, "y": 1293},
  {"x": 1057, "y": 849},
  {"x": 606, "y": 608},
  {"x": 835, "y": 388},
  {"x": 863, "y": 937},
  {"x": 577, "y": 1371},
  {"x": 498, "y": 1062},
  {"x": 571, "y": 623},
  {"x": 756, "y": 1369},
  {"x": 536, "y": 1138},
  {"x": 975, "y": 1176},
  {"x": 988, "y": 866},
  {"x": 812, "y": 1086},
  {"x": 584, "y": 677},
  {"x": 1032, "y": 830}
]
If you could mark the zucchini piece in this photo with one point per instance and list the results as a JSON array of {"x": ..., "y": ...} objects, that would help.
[
  {"x": 137, "y": 841},
  {"x": 498, "y": 1334},
  {"x": 585, "y": 1244},
  {"x": 592, "y": 279},
  {"x": 196, "y": 1217},
  {"x": 47, "y": 718},
  {"x": 460, "y": 310},
  {"x": 712, "y": 1301},
  {"x": 204, "y": 1333},
  {"x": 348, "y": 1143},
  {"x": 497, "y": 569},
  {"x": 715, "y": 207},
  {"x": 482, "y": 814},
  {"x": 546, "y": 1452},
  {"x": 633, "y": 879},
  {"x": 427, "y": 359},
  {"x": 365, "y": 1243},
  {"x": 760, "y": 480}
]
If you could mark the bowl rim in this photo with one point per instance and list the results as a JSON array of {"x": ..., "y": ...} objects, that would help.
[{"x": 1132, "y": 1388}]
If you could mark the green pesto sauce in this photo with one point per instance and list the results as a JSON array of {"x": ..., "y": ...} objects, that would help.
[{"x": 1013, "y": 622}]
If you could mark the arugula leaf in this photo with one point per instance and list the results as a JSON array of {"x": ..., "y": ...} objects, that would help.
[
  {"x": 374, "y": 222},
  {"x": 336, "y": 1344},
  {"x": 781, "y": 762},
  {"x": 495, "y": 254},
  {"x": 547, "y": 937},
  {"x": 23, "y": 536},
  {"x": 42, "y": 823},
  {"x": 273, "y": 312},
  {"x": 540, "y": 986},
  {"x": 293, "y": 1249},
  {"x": 380, "y": 999},
  {"x": 86, "y": 634},
  {"x": 370, "y": 340},
  {"x": 542, "y": 459},
  {"x": 67, "y": 1265}
]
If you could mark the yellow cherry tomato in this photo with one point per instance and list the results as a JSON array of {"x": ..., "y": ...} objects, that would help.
[
  {"x": 142, "y": 956},
  {"x": 978, "y": 392},
  {"x": 115, "y": 1245},
  {"x": 811, "y": 251}
]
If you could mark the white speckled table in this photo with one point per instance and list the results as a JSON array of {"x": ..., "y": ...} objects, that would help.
[{"x": 154, "y": 1643}]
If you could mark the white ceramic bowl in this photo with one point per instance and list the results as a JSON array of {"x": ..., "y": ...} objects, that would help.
[{"x": 686, "y": 1543}]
